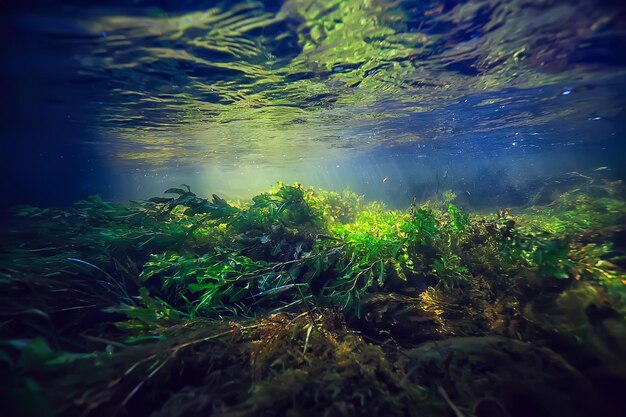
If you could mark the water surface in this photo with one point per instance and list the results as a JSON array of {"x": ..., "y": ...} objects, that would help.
[{"x": 126, "y": 98}]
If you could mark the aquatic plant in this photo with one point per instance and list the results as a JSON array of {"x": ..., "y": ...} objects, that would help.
[{"x": 294, "y": 269}]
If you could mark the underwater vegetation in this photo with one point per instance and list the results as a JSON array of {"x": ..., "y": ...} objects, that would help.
[{"x": 312, "y": 302}]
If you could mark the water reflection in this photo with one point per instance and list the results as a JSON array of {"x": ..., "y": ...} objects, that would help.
[
  {"x": 166, "y": 81},
  {"x": 280, "y": 89}
]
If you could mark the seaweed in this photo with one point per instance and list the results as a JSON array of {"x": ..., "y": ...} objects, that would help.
[{"x": 309, "y": 302}]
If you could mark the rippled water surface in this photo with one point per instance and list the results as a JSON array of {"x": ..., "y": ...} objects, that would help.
[{"x": 128, "y": 97}]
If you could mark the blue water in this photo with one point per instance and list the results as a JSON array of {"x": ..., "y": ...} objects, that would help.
[{"x": 127, "y": 98}]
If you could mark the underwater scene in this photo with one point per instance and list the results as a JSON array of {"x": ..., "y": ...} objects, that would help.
[{"x": 313, "y": 208}]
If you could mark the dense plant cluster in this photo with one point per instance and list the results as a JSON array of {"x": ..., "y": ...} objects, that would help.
[{"x": 145, "y": 285}]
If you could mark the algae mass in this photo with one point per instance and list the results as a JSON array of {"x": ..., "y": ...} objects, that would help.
[{"x": 312, "y": 302}]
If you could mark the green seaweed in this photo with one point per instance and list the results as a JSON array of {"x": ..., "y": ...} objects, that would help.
[{"x": 134, "y": 286}]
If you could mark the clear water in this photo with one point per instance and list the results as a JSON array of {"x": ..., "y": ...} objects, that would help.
[
  {"x": 502, "y": 295},
  {"x": 391, "y": 99}
]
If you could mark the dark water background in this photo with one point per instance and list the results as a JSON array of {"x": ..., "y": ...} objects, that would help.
[{"x": 495, "y": 100}]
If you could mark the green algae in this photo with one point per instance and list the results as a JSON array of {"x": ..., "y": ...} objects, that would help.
[{"x": 308, "y": 302}]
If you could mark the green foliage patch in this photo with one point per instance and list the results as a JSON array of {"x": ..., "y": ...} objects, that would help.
[{"x": 158, "y": 269}]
